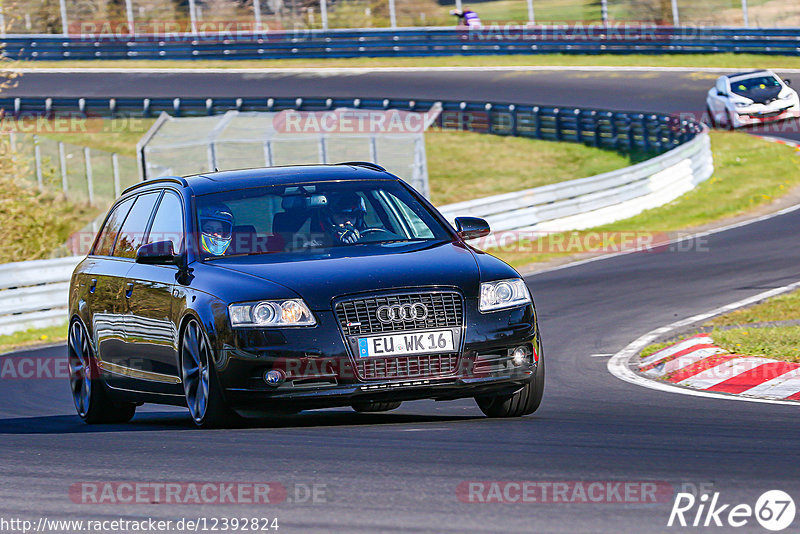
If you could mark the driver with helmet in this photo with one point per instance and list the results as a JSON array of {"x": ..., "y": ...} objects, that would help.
[
  {"x": 343, "y": 217},
  {"x": 216, "y": 227}
]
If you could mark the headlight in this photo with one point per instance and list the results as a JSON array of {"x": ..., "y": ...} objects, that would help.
[
  {"x": 270, "y": 313},
  {"x": 503, "y": 294}
]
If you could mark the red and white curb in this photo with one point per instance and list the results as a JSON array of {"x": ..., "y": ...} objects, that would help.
[
  {"x": 698, "y": 363},
  {"x": 621, "y": 364}
]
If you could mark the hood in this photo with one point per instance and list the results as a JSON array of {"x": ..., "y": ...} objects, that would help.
[
  {"x": 761, "y": 96},
  {"x": 321, "y": 278}
]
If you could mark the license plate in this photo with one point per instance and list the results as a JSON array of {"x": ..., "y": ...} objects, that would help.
[{"x": 407, "y": 343}]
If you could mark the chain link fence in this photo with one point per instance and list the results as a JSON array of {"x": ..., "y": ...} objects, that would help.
[
  {"x": 84, "y": 174},
  {"x": 160, "y": 17}
]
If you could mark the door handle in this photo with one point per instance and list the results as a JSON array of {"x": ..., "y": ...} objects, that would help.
[
  {"x": 92, "y": 285},
  {"x": 129, "y": 290}
]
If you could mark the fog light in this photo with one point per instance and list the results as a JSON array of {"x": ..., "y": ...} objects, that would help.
[
  {"x": 274, "y": 377},
  {"x": 520, "y": 356}
]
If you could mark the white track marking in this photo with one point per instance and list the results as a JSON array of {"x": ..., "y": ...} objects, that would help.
[
  {"x": 619, "y": 364},
  {"x": 722, "y": 372},
  {"x": 784, "y": 211},
  {"x": 781, "y": 387},
  {"x": 674, "y": 349}
]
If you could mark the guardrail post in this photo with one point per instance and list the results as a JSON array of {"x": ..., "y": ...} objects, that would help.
[
  {"x": 578, "y": 126},
  {"x": 115, "y": 170},
  {"x": 513, "y": 114},
  {"x": 64, "y": 22},
  {"x": 537, "y": 115},
  {"x": 392, "y": 15},
  {"x": 87, "y": 159},
  {"x": 630, "y": 132},
  {"x": 63, "y": 160},
  {"x": 559, "y": 135}
]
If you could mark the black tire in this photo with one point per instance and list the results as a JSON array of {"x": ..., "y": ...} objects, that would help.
[
  {"x": 711, "y": 120},
  {"x": 200, "y": 384},
  {"x": 365, "y": 407},
  {"x": 524, "y": 402},
  {"x": 89, "y": 394}
]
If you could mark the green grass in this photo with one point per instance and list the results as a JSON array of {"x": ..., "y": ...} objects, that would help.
[
  {"x": 112, "y": 135},
  {"x": 730, "y": 61},
  {"x": 467, "y": 165},
  {"x": 749, "y": 173},
  {"x": 34, "y": 336},
  {"x": 779, "y": 342},
  {"x": 781, "y": 308}
]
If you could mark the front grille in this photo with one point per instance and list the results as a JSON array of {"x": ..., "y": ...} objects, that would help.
[
  {"x": 423, "y": 366},
  {"x": 445, "y": 309}
]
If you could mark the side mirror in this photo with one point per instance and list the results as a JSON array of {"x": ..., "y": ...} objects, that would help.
[
  {"x": 158, "y": 253},
  {"x": 787, "y": 81},
  {"x": 471, "y": 227},
  {"x": 721, "y": 93}
]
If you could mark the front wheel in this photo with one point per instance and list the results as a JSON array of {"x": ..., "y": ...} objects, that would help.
[
  {"x": 200, "y": 385},
  {"x": 91, "y": 400},
  {"x": 523, "y": 402}
]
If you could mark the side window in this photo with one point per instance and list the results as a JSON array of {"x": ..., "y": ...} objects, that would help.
[
  {"x": 168, "y": 222},
  {"x": 419, "y": 229},
  {"x": 109, "y": 232},
  {"x": 131, "y": 235}
]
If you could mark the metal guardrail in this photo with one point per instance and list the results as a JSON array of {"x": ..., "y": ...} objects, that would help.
[
  {"x": 487, "y": 40},
  {"x": 597, "y": 200},
  {"x": 33, "y": 294},
  {"x": 605, "y": 129}
]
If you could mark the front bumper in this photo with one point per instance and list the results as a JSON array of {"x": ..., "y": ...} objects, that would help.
[
  {"x": 759, "y": 114},
  {"x": 403, "y": 390},
  {"x": 320, "y": 371}
]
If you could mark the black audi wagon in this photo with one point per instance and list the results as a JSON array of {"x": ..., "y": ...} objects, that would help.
[{"x": 271, "y": 291}]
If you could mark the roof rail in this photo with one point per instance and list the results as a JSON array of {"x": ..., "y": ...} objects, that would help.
[
  {"x": 173, "y": 179},
  {"x": 367, "y": 164}
]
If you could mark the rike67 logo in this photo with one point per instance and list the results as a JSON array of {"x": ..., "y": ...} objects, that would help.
[{"x": 774, "y": 510}]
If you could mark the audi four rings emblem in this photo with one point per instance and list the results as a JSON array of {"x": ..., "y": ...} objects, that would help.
[{"x": 402, "y": 312}]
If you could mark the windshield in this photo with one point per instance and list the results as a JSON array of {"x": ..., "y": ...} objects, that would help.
[
  {"x": 758, "y": 82},
  {"x": 312, "y": 218}
]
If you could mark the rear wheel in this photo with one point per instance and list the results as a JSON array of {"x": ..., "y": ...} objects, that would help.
[
  {"x": 523, "y": 402},
  {"x": 375, "y": 406},
  {"x": 89, "y": 395},
  {"x": 200, "y": 385}
]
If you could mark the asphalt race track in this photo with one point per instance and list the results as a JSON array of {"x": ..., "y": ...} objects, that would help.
[{"x": 399, "y": 471}]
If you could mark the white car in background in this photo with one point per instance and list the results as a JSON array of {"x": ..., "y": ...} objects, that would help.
[{"x": 746, "y": 98}]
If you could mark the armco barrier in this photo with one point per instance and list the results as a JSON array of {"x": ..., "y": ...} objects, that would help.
[
  {"x": 597, "y": 200},
  {"x": 488, "y": 40},
  {"x": 606, "y": 129},
  {"x": 33, "y": 294}
]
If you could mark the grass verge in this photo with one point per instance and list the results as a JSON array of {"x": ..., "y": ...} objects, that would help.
[
  {"x": 781, "y": 308},
  {"x": 781, "y": 342},
  {"x": 467, "y": 165},
  {"x": 749, "y": 173},
  {"x": 32, "y": 337},
  {"x": 728, "y": 61}
]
